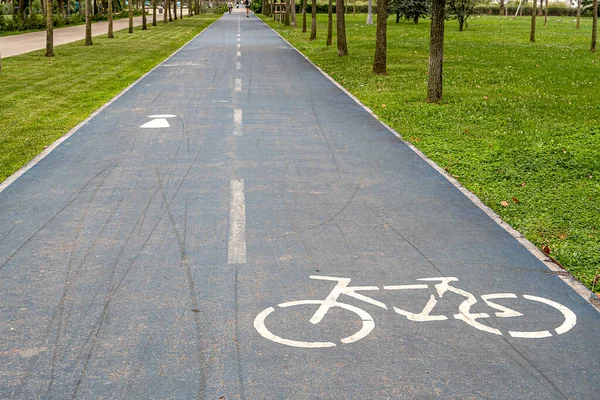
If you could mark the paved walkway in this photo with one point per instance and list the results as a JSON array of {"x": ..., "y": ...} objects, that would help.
[
  {"x": 235, "y": 226},
  {"x": 21, "y": 44}
]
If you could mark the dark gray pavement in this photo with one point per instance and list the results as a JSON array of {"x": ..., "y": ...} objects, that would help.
[{"x": 136, "y": 262}]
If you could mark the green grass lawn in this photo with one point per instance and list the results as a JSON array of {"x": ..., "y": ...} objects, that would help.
[
  {"x": 43, "y": 98},
  {"x": 519, "y": 124}
]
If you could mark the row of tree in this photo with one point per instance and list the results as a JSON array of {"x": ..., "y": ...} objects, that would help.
[
  {"x": 193, "y": 8},
  {"x": 413, "y": 10}
]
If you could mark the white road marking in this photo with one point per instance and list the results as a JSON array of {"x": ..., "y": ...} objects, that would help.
[
  {"x": 238, "y": 46},
  {"x": 238, "y": 34},
  {"x": 158, "y": 121},
  {"x": 238, "y": 66},
  {"x": 238, "y": 85},
  {"x": 236, "y": 253},
  {"x": 239, "y": 40},
  {"x": 237, "y": 122},
  {"x": 403, "y": 287},
  {"x": 238, "y": 54}
]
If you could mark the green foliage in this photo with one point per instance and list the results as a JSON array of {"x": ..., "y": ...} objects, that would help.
[
  {"x": 461, "y": 10},
  {"x": 518, "y": 119},
  {"x": 411, "y": 10}
]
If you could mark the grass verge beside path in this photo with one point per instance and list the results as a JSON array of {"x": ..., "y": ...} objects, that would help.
[
  {"x": 519, "y": 125},
  {"x": 42, "y": 98}
]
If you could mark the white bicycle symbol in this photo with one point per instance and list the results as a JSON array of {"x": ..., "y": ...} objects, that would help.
[{"x": 425, "y": 315}]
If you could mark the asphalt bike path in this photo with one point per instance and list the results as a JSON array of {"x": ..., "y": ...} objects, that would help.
[{"x": 235, "y": 226}]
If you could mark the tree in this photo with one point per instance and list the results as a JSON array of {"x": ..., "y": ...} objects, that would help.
[
  {"x": 594, "y": 25},
  {"x": 533, "y": 16},
  {"x": 153, "y": 12},
  {"x": 189, "y": 8},
  {"x": 165, "y": 8},
  {"x": 313, "y": 25},
  {"x": 293, "y": 10},
  {"x": 286, "y": 16},
  {"x": 144, "y": 22},
  {"x": 329, "y": 23},
  {"x": 578, "y": 13},
  {"x": 342, "y": 46},
  {"x": 49, "y": 31},
  {"x": 130, "y": 16},
  {"x": 545, "y": 13},
  {"x": 369, "y": 12},
  {"x": 88, "y": 21},
  {"x": 174, "y": 9},
  {"x": 436, "y": 52},
  {"x": 462, "y": 9},
  {"x": 303, "y": 16},
  {"x": 111, "y": 35},
  {"x": 380, "y": 61},
  {"x": 410, "y": 10}
]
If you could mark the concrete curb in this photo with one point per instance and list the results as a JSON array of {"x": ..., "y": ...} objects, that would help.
[{"x": 563, "y": 274}]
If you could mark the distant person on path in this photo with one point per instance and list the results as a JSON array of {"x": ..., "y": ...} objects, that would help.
[
  {"x": 230, "y": 6},
  {"x": 247, "y": 4}
]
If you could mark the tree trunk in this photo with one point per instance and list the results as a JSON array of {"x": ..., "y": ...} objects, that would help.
[
  {"x": 22, "y": 10},
  {"x": 144, "y": 22},
  {"x": 88, "y": 22},
  {"x": 329, "y": 23},
  {"x": 461, "y": 23},
  {"x": 153, "y": 12},
  {"x": 49, "y": 31},
  {"x": 190, "y": 8},
  {"x": 130, "y": 16},
  {"x": 369, "y": 13},
  {"x": 293, "y": 12},
  {"x": 436, "y": 52},
  {"x": 546, "y": 14},
  {"x": 501, "y": 7},
  {"x": 380, "y": 61},
  {"x": 303, "y": 16},
  {"x": 354, "y": 8},
  {"x": 578, "y": 13},
  {"x": 342, "y": 46},
  {"x": 181, "y": 10},
  {"x": 286, "y": 16},
  {"x": 111, "y": 34},
  {"x": 165, "y": 8},
  {"x": 313, "y": 25},
  {"x": 169, "y": 9},
  {"x": 397, "y": 17},
  {"x": 174, "y": 9},
  {"x": 594, "y": 26},
  {"x": 60, "y": 5},
  {"x": 533, "y": 16}
]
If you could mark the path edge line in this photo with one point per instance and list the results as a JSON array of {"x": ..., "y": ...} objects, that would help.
[
  {"x": 563, "y": 274},
  {"x": 21, "y": 171}
]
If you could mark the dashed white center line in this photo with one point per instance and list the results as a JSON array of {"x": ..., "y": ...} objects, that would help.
[
  {"x": 239, "y": 54},
  {"x": 238, "y": 85},
  {"x": 237, "y": 122},
  {"x": 238, "y": 46},
  {"x": 239, "y": 39},
  {"x": 236, "y": 252},
  {"x": 238, "y": 65}
]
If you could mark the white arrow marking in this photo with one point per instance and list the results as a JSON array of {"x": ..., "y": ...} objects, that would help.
[{"x": 158, "y": 121}]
